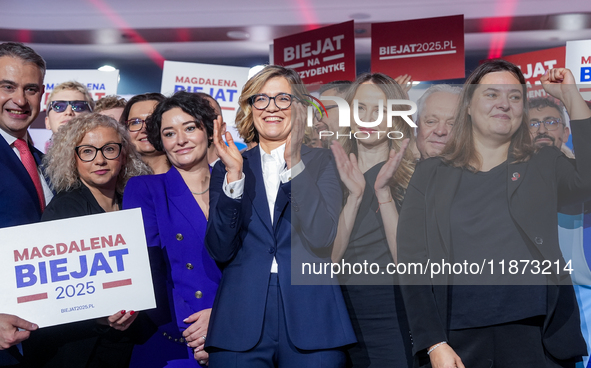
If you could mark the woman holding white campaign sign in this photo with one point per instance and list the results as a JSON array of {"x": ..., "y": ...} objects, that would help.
[
  {"x": 375, "y": 170},
  {"x": 489, "y": 201},
  {"x": 88, "y": 165},
  {"x": 175, "y": 206}
]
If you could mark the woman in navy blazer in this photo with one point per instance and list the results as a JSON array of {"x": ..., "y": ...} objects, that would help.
[
  {"x": 175, "y": 208},
  {"x": 259, "y": 229}
]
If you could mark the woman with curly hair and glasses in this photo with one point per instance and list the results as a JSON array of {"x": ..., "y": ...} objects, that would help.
[{"x": 89, "y": 163}]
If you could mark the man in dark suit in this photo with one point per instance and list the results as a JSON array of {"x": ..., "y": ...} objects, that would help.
[{"x": 23, "y": 190}]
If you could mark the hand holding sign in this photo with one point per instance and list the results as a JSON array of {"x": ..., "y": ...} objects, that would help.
[
  {"x": 9, "y": 330},
  {"x": 120, "y": 320}
]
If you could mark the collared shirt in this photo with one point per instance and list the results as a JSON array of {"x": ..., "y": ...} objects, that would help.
[
  {"x": 274, "y": 171},
  {"x": 48, "y": 194}
]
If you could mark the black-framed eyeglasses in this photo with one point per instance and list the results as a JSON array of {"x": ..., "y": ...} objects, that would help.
[
  {"x": 135, "y": 125},
  {"x": 549, "y": 124},
  {"x": 88, "y": 153},
  {"x": 77, "y": 106},
  {"x": 261, "y": 101}
]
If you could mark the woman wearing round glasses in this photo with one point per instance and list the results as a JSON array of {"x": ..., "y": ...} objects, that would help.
[
  {"x": 260, "y": 222},
  {"x": 66, "y": 101},
  {"x": 134, "y": 117},
  {"x": 89, "y": 164},
  {"x": 175, "y": 206}
]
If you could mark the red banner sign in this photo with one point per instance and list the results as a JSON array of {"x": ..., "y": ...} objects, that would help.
[
  {"x": 427, "y": 49},
  {"x": 319, "y": 56},
  {"x": 534, "y": 64}
]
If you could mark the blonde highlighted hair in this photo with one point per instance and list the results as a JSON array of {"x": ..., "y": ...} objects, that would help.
[
  {"x": 60, "y": 161},
  {"x": 392, "y": 90},
  {"x": 244, "y": 117},
  {"x": 71, "y": 86}
]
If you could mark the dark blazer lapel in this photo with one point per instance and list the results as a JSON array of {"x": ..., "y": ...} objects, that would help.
[
  {"x": 180, "y": 196},
  {"x": 282, "y": 198},
  {"x": 16, "y": 166},
  {"x": 254, "y": 186},
  {"x": 447, "y": 181},
  {"x": 38, "y": 155}
]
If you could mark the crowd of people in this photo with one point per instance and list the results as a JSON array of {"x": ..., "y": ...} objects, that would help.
[{"x": 480, "y": 179}]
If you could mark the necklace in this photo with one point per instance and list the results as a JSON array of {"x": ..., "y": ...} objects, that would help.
[{"x": 199, "y": 193}]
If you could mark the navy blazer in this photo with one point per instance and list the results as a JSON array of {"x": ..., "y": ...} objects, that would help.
[
  {"x": 19, "y": 203},
  {"x": 535, "y": 189},
  {"x": 184, "y": 275},
  {"x": 242, "y": 239}
]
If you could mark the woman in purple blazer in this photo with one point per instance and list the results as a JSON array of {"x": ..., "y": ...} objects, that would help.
[{"x": 175, "y": 206}]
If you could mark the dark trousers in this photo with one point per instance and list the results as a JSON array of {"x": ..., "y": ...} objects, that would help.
[
  {"x": 275, "y": 349},
  {"x": 508, "y": 345}
]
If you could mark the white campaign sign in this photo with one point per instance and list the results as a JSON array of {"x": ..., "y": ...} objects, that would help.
[
  {"x": 224, "y": 83},
  {"x": 578, "y": 60},
  {"x": 98, "y": 83},
  {"x": 75, "y": 269}
]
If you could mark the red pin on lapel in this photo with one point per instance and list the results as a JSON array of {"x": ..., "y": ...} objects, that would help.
[{"x": 515, "y": 176}]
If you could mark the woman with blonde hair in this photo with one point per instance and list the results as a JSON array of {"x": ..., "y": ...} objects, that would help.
[
  {"x": 66, "y": 101},
  {"x": 276, "y": 204},
  {"x": 375, "y": 169},
  {"x": 89, "y": 163}
]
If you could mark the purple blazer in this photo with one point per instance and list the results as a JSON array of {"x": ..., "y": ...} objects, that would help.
[{"x": 185, "y": 277}]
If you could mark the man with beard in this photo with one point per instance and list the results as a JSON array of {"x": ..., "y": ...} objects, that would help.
[
  {"x": 548, "y": 127},
  {"x": 547, "y": 124}
]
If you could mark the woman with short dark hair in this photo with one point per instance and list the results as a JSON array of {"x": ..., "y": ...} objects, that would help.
[{"x": 175, "y": 206}]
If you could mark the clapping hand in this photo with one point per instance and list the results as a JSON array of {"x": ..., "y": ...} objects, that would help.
[
  {"x": 229, "y": 154},
  {"x": 381, "y": 186},
  {"x": 295, "y": 138},
  {"x": 349, "y": 171}
]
